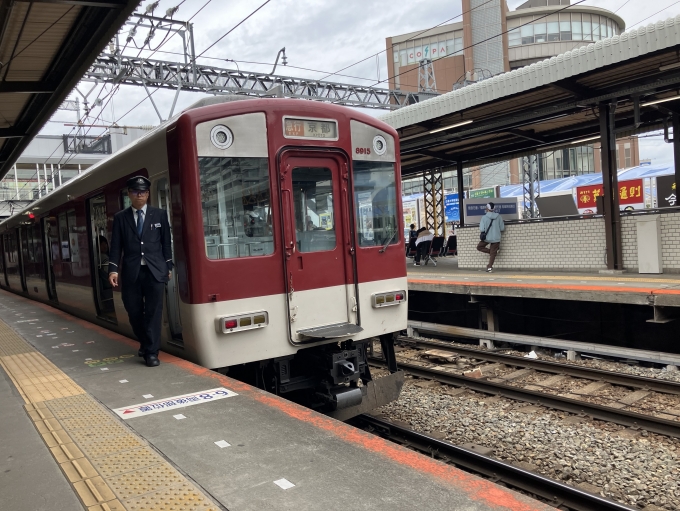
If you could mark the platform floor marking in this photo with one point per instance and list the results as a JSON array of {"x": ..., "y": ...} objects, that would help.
[
  {"x": 173, "y": 403},
  {"x": 594, "y": 278},
  {"x": 109, "y": 467}
]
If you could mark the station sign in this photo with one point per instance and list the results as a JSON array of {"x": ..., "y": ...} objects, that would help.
[
  {"x": 666, "y": 192},
  {"x": 482, "y": 193},
  {"x": 631, "y": 194},
  {"x": 508, "y": 207}
]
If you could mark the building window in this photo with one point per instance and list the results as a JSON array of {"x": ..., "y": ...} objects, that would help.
[
  {"x": 540, "y": 35},
  {"x": 565, "y": 31},
  {"x": 627, "y": 156},
  {"x": 554, "y": 31},
  {"x": 527, "y": 34},
  {"x": 576, "y": 32},
  {"x": 587, "y": 28},
  {"x": 514, "y": 37}
]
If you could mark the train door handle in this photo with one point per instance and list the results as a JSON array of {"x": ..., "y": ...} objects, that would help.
[{"x": 288, "y": 242}]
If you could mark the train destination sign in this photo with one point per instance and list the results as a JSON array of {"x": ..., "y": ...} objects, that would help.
[{"x": 310, "y": 128}]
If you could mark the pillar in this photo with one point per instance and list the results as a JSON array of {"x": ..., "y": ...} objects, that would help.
[
  {"x": 461, "y": 190},
  {"x": 676, "y": 149},
  {"x": 610, "y": 182}
]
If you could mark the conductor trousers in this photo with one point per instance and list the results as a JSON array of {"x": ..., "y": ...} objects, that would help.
[{"x": 143, "y": 301}]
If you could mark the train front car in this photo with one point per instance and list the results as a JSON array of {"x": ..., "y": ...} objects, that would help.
[{"x": 288, "y": 243}]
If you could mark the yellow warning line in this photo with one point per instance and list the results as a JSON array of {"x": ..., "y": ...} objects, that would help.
[
  {"x": 583, "y": 278},
  {"x": 109, "y": 467}
]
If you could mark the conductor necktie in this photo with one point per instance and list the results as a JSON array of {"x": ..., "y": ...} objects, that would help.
[{"x": 140, "y": 222}]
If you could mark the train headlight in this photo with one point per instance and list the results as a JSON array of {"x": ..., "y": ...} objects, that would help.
[
  {"x": 221, "y": 137},
  {"x": 379, "y": 145},
  {"x": 240, "y": 322},
  {"x": 388, "y": 299}
]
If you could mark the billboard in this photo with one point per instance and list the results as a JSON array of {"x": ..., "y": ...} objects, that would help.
[
  {"x": 452, "y": 207},
  {"x": 631, "y": 196},
  {"x": 666, "y": 192}
]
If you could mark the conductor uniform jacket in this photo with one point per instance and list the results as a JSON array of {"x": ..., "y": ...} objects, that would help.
[{"x": 154, "y": 245}]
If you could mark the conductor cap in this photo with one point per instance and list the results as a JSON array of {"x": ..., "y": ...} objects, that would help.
[{"x": 138, "y": 183}]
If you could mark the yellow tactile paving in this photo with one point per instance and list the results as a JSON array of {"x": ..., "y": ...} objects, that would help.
[
  {"x": 109, "y": 467},
  {"x": 529, "y": 276}
]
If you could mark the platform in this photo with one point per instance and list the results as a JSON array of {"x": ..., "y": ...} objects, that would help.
[
  {"x": 108, "y": 433},
  {"x": 630, "y": 288}
]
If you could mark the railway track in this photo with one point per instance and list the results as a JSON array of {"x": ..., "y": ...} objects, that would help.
[
  {"x": 626, "y": 380},
  {"x": 554, "y": 492},
  {"x": 575, "y": 406}
]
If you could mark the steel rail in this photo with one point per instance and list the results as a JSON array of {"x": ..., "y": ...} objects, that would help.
[
  {"x": 556, "y": 492},
  {"x": 626, "y": 380},
  {"x": 605, "y": 413}
]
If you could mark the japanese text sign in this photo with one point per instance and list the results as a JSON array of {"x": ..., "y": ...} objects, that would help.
[{"x": 630, "y": 192}]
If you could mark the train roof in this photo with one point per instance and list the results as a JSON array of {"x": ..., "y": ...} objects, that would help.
[{"x": 203, "y": 106}]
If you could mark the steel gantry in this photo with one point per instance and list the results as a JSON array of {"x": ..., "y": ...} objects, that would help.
[{"x": 186, "y": 74}]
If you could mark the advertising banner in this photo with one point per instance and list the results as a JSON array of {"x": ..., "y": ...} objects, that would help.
[
  {"x": 452, "y": 207},
  {"x": 666, "y": 192},
  {"x": 631, "y": 194},
  {"x": 475, "y": 209}
]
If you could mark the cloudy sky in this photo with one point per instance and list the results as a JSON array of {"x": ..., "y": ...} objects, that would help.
[{"x": 319, "y": 36}]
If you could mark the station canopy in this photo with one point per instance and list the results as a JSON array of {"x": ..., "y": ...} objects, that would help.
[
  {"x": 548, "y": 105},
  {"x": 45, "y": 47}
]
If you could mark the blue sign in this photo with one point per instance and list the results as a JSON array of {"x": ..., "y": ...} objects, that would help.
[
  {"x": 452, "y": 207},
  {"x": 509, "y": 208}
]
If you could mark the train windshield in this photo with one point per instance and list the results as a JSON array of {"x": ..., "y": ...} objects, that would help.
[
  {"x": 375, "y": 200},
  {"x": 236, "y": 202}
]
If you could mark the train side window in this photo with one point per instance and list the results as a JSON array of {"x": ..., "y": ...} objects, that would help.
[
  {"x": 73, "y": 238},
  {"x": 63, "y": 238},
  {"x": 236, "y": 202},
  {"x": 375, "y": 202},
  {"x": 125, "y": 199}
]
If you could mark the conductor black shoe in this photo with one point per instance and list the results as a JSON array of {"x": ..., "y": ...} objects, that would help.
[{"x": 152, "y": 361}]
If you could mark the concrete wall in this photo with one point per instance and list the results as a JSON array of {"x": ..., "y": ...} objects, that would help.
[{"x": 567, "y": 245}]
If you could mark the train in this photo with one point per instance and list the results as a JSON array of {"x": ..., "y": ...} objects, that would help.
[{"x": 287, "y": 235}]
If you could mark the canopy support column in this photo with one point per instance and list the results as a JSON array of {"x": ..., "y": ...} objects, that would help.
[
  {"x": 433, "y": 194},
  {"x": 676, "y": 150},
  {"x": 610, "y": 182},
  {"x": 461, "y": 191}
]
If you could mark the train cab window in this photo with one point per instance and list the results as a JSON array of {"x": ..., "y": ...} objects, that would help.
[
  {"x": 313, "y": 204},
  {"x": 375, "y": 202},
  {"x": 237, "y": 216}
]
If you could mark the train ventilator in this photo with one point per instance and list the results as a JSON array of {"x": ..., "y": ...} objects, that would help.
[{"x": 287, "y": 241}]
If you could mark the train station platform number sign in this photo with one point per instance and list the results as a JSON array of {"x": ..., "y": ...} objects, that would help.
[
  {"x": 173, "y": 403},
  {"x": 630, "y": 193}
]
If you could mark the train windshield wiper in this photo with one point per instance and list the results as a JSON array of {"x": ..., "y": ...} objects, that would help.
[{"x": 388, "y": 242}]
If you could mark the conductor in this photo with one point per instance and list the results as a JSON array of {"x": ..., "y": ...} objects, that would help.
[{"x": 142, "y": 233}]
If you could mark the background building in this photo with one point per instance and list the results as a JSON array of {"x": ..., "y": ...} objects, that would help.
[
  {"x": 468, "y": 51},
  {"x": 52, "y": 160}
]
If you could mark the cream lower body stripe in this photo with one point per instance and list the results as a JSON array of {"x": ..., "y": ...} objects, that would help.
[{"x": 109, "y": 467}]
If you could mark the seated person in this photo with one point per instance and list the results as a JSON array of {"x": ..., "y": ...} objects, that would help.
[{"x": 423, "y": 242}]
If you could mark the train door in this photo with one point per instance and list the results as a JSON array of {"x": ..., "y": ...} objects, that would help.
[
  {"x": 99, "y": 248},
  {"x": 3, "y": 248},
  {"x": 171, "y": 294},
  {"x": 319, "y": 247},
  {"x": 51, "y": 243},
  {"x": 23, "y": 256},
  {"x": 12, "y": 260}
]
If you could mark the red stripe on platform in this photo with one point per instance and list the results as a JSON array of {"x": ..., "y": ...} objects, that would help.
[
  {"x": 565, "y": 287},
  {"x": 475, "y": 488}
]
